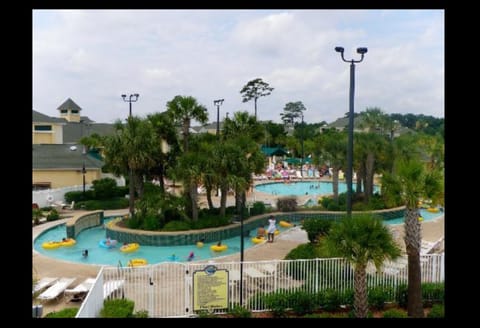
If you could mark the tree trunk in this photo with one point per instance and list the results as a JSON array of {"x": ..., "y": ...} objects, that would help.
[
  {"x": 193, "y": 196},
  {"x": 208, "y": 189},
  {"x": 369, "y": 171},
  {"x": 223, "y": 199},
  {"x": 413, "y": 239},
  {"x": 360, "y": 173},
  {"x": 131, "y": 193},
  {"x": 360, "y": 302},
  {"x": 335, "y": 183}
]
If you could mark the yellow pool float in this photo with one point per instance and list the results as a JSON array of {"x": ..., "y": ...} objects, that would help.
[
  {"x": 199, "y": 244},
  {"x": 285, "y": 224},
  {"x": 432, "y": 209},
  {"x": 51, "y": 244},
  {"x": 137, "y": 262},
  {"x": 68, "y": 242},
  {"x": 258, "y": 240},
  {"x": 220, "y": 248},
  {"x": 128, "y": 248},
  {"x": 420, "y": 218},
  {"x": 276, "y": 232}
]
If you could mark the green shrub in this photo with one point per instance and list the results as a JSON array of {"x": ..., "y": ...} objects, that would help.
[
  {"x": 302, "y": 302},
  {"x": 108, "y": 204},
  {"x": 333, "y": 207},
  {"x": 377, "y": 297},
  {"x": 36, "y": 215},
  {"x": 287, "y": 204},
  {"x": 277, "y": 303},
  {"x": 316, "y": 228},
  {"x": 177, "y": 226},
  {"x": 104, "y": 188},
  {"x": 303, "y": 251},
  {"x": 395, "y": 313},
  {"x": 64, "y": 313},
  {"x": 141, "y": 314},
  {"x": 257, "y": 208},
  {"x": 151, "y": 222},
  {"x": 331, "y": 300},
  {"x": 117, "y": 308},
  {"x": 437, "y": 311},
  {"x": 240, "y": 312},
  {"x": 433, "y": 293},
  {"x": 53, "y": 215},
  {"x": 402, "y": 295}
]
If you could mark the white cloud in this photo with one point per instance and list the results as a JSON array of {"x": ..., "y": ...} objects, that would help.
[{"x": 94, "y": 56}]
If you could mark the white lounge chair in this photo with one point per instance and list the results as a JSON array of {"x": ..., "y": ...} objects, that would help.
[
  {"x": 110, "y": 286},
  {"x": 83, "y": 287},
  {"x": 43, "y": 283},
  {"x": 56, "y": 289}
]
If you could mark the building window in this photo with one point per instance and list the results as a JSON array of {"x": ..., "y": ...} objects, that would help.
[
  {"x": 74, "y": 111},
  {"x": 43, "y": 128},
  {"x": 41, "y": 186},
  {"x": 63, "y": 111}
]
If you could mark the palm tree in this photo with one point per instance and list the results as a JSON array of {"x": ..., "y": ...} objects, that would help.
[
  {"x": 331, "y": 147},
  {"x": 362, "y": 239},
  {"x": 409, "y": 184},
  {"x": 184, "y": 109},
  {"x": 131, "y": 149}
]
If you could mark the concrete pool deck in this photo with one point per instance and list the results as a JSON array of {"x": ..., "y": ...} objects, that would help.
[{"x": 43, "y": 266}]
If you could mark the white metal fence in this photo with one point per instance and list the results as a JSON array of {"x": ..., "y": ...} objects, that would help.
[
  {"x": 48, "y": 197},
  {"x": 165, "y": 289}
]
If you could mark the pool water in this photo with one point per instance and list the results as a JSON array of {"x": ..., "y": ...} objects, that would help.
[
  {"x": 89, "y": 239},
  {"x": 302, "y": 188}
]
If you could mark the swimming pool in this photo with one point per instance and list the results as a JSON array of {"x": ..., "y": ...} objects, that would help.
[
  {"x": 89, "y": 239},
  {"x": 301, "y": 188}
]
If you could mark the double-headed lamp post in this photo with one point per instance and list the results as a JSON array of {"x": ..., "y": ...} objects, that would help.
[
  {"x": 218, "y": 103},
  {"x": 362, "y": 51},
  {"x": 131, "y": 193},
  {"x": 303, "y": 155}
]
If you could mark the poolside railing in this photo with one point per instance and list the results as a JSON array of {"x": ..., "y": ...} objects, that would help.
[{"x": 166, "y": 289}]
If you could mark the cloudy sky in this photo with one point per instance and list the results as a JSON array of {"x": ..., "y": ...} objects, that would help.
[{"x": 94, "y": 56}]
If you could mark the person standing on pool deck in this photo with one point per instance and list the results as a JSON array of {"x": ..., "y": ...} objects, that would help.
[{"x": 271, "y": 229}]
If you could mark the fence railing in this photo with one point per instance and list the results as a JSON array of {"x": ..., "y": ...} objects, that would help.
[
  {"x": 165, "y": 289},
  {"x": 48, "y": 197}
]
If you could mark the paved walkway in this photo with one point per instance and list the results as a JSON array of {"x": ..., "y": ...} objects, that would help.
[{"x": 44, "y": 266}]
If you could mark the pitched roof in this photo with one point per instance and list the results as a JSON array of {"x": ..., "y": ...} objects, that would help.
[
  {"x": 69, "y": 104},
  {"x": 74, "y": 131},
  {"x": 61, "y": 156},
  {"x": 41, "y": 118},
  {"x": 271, "y": 151}
]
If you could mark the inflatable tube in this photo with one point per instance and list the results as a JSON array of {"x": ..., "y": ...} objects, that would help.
[
  {"x": 103, "y": 243},
  {"x": 257, "y": 240},
  {"x": 420, "y": 218},
  {"x": 220, "y": 248},
  {"x": 199, "y": 244},
  {"x": 128, "y": 248},
  {"x": 276, "y": 232},
  {"x": 285, "y": 224},
  {"x": 51, "y": 244},
  {"x": 433, "y": 209},
  {"x": 137, "y": 262},
  {"x": 68, "y": 242}
]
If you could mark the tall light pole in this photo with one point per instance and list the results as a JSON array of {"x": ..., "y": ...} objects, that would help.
[
  {"x": 303, "y": 155},
  {"x": 218, "y": 103},
  {"x": 362, "y": 51},
  {"x": 131, "y": 193},
  {"x": 84, "y": 171}
]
